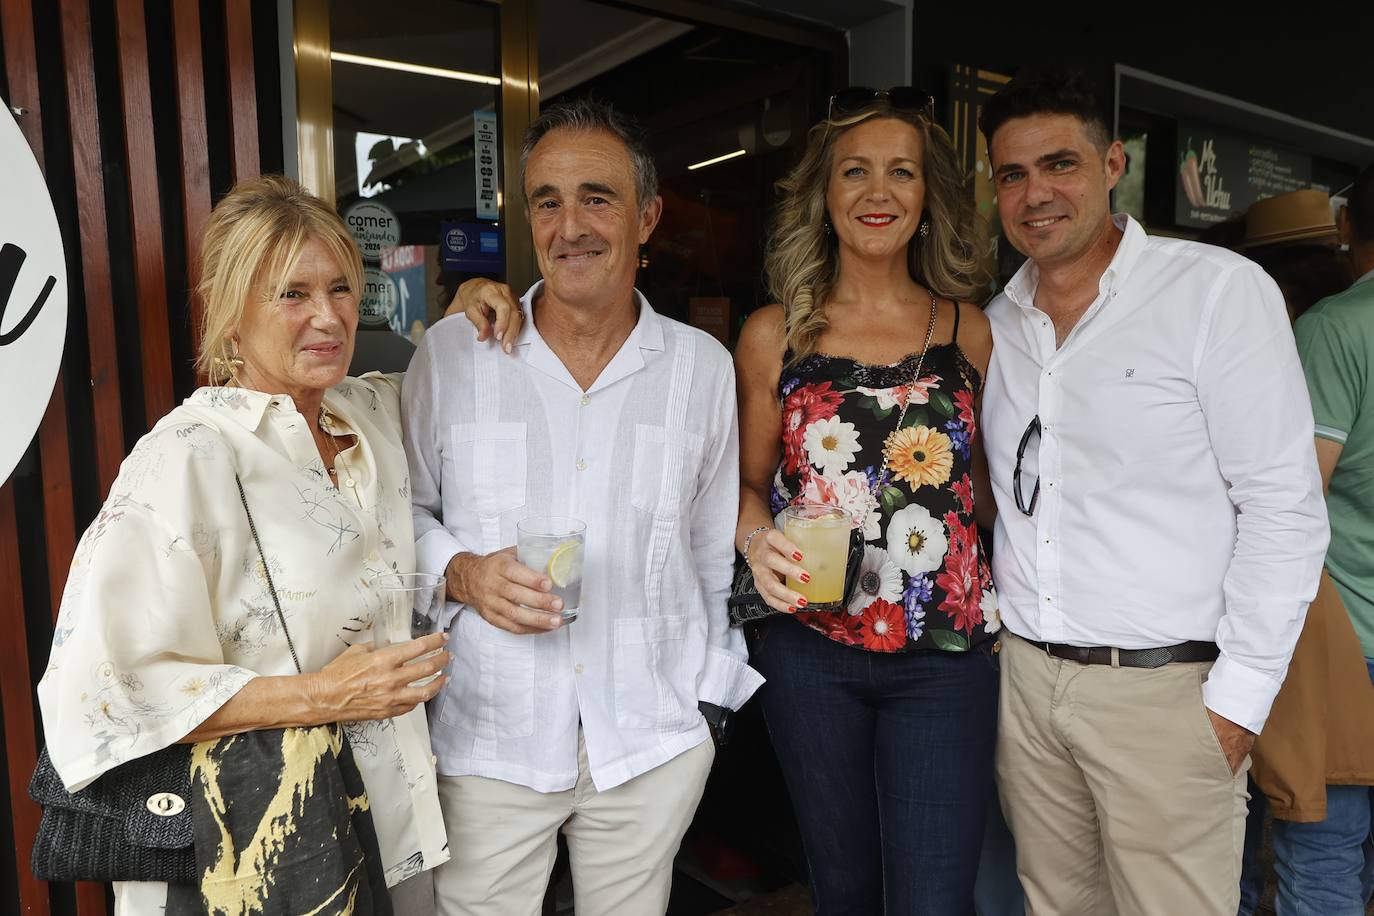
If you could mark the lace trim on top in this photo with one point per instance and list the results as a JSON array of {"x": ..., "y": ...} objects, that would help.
[{"x": 893, "y": 375}]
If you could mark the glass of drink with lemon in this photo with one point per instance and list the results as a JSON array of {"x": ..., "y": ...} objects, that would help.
[
  {"x": 554, "y": 546},
  {"x": 821, "y": 533}
]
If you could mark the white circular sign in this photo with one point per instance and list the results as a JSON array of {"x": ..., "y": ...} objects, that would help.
[
  {"x": 374, "y": 227},
  {"x": 457, "y": 241},
  {"x": 33, "y": 295},
  {"x": 379, "y": 299}
]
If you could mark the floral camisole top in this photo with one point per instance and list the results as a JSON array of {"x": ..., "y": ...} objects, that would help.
[{"x": 925, "y": 583}]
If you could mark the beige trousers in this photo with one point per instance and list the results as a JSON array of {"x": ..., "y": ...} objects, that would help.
[
  {"x": 1116, "y": 788},
  {"x": 503, "y": 838}
]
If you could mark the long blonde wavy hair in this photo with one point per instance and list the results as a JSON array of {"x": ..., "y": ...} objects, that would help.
[
  {"x": 802, "y": 262},
  {"x": 255, "y": 236}
]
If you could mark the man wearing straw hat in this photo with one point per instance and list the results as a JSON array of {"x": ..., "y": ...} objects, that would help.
[{"x": 1325, "y": 865}]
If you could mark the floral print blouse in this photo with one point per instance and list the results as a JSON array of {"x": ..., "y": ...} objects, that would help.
[{"x": 925, "y": 583}]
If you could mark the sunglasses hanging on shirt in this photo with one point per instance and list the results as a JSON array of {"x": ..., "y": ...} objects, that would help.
[{"x": 1027, "y": 506}]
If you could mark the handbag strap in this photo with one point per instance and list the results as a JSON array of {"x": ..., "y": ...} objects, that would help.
[{"x": 266, "y": 571}]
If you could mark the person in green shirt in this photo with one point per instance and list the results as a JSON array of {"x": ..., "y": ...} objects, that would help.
[{"x": 1330, "y": 862}]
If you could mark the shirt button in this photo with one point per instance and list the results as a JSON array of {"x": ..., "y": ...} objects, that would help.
[
  {"x": 586, "y": 399},
  {"x": 581, "y": 464},
  {"x": 577, "y": 668},
  {"x": 1048, "y": 599}
]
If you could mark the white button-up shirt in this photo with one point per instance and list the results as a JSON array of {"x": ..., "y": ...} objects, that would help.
[
  {"x": 648, "y": 457},
  {"x": 1179, "y": 492}
]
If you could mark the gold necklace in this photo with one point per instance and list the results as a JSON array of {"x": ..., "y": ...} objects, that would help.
[{"x": 326, "y": 424}]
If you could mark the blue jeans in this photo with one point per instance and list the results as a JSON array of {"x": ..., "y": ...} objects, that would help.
[
  {"x": 1327, "y": 868},
  {"x": 888, "y": 760},
  {"x": 998, "y": 890},
  {"x": 1251, "y": 868}
]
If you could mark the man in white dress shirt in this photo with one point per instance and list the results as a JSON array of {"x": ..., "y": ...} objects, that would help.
[
  {"x": 612, "y": 414},
  {"x": 1160, "y": 528}
]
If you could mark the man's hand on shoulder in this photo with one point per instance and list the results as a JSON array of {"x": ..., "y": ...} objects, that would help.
[
  {"x": 1235, "y": 740},
  {"x": 505, "y": 593},
  {"x": 490, "y": 306}
]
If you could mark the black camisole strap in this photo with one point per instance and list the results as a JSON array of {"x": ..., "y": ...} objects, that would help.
[{"x": 954, "y": 338}]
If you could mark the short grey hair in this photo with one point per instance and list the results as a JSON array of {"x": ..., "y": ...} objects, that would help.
[{"x": 592, "y": 114}]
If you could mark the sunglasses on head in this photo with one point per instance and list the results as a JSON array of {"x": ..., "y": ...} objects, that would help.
[{"x": 902, "y": 98}]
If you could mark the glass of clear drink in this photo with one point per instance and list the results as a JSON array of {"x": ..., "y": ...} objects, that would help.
[
  {"x": 821, "y": 533},
  {"x": 555, "y": 545},
  {"x": 411, "y": 603}
]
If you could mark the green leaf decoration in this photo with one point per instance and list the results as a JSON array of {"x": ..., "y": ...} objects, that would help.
[
  {"x": 915, "y": 418},
  {"x": 892, "y": 500},
  {"x": 941, "y": 402},
  {"x": 881, "y": 413},
  {"x": 949, "y": 641}
]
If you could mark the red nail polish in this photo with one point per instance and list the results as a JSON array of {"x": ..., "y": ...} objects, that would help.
[
  {"x": 805, "y": 577},
  {"x": 796, "y": 556},
  {"x": 791, "y": 609},
  {"x": 801, "y": 602}
]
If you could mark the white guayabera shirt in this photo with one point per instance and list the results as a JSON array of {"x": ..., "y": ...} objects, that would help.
[
  {"x": 1179, "y": 492},
  {"x": 648, "y": 457},
  {"x": 166, "y": 614}
]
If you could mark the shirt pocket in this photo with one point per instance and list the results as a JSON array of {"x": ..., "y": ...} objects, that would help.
[
  {"x": 665, "y": 464},
  {"x": 495, "y": 696},
  {"x": 651, "y": 689},
  {"x": 496, "y": 458}
]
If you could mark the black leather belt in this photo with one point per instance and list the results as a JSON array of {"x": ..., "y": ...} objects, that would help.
[{"x": 1191, "y": 651}]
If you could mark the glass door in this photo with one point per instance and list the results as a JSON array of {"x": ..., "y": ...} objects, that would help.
[{"x": 402, "y": 122}]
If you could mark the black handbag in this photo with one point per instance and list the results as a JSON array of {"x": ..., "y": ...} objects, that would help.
[
  {"x": 746, "y": 604},
  {"x": 131, "y": 824}
]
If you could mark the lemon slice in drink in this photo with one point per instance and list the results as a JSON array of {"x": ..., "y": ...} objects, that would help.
[{"x": 561, "y": 562}]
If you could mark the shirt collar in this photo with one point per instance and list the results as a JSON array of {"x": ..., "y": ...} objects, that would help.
[
  {"x": 647, "y": 335},
  {"x": 244, "y": 406},
  {"x": 1023, "y": 284},
  {"x": 1368, "y": 276},
  {"x": 247, "y": 407}
]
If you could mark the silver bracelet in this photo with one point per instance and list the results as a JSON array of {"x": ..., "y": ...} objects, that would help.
[{"x": 749, "y": 539}]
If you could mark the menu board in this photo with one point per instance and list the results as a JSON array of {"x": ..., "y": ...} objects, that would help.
[{"x": 1221, "y": 174}]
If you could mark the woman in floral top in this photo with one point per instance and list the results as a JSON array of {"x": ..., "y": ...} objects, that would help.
[{"x": 860, "y": 390}]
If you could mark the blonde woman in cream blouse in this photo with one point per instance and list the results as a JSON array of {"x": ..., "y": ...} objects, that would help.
[{"x": 167, "y": 632}]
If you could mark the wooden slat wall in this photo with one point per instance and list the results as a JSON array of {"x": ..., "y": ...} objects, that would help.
[
  {"x": 243, "y": 116},
  {"x": 194, "y": 144},
  {"x": 20, "y": 743},
  {"x": 93, "y": 242},
  {"x": 149, "y": 272},
  {"x": 115, "y": 315}
]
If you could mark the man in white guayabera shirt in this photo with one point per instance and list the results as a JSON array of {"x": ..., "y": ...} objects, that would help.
[
  {"x": 1160, "y": 525},
  {"x": 607, "y": 412}
]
